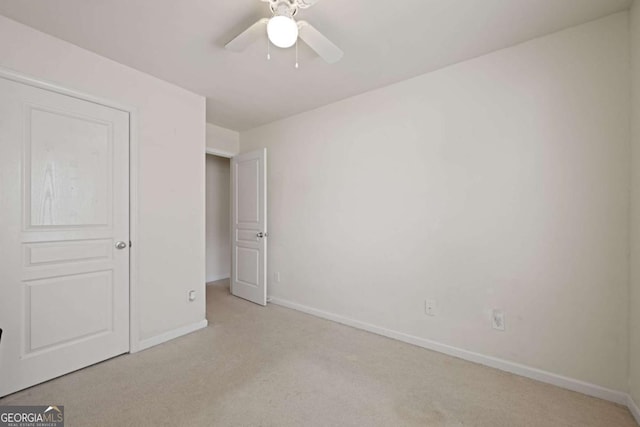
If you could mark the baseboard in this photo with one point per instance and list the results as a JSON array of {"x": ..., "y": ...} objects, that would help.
[
  {"x": 168, "y": 336},
  {"x": 493, "y": 362},
  {"x": 634, "y": 408},
  {"x": 218, "y": 277}
]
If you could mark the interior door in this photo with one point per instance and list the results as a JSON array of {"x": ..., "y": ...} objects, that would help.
[
  {"x": 64, "y": 234},
  {"x": 249, "y": 226}
]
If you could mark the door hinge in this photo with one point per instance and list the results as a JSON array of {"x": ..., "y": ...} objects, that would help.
[{"x": 130, "y": 243}]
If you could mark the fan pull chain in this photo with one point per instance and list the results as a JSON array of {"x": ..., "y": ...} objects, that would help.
[
  {"x": 268, "y": 49},
  {"x": 297, "y": 66}
]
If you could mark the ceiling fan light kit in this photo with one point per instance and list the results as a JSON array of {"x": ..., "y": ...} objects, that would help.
[{"x": 283, "y": 31}]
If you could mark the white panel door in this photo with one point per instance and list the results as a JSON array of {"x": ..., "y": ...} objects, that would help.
[
  {"x": 64, "y": 208},
  {"x": 249, "y": 226}
]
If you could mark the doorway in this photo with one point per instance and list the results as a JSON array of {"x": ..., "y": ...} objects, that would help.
[
  {"x": 218, "y": 218},
  {"x": 236, "y": 223}
]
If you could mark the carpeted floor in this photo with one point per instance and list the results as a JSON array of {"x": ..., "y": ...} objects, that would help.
[{"x": 272, "y": 366}]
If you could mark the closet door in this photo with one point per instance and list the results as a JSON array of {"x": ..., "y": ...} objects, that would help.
[{"x": 64, "y": 234}]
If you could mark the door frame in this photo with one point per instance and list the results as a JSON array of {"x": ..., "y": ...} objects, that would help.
[
  {"x": 220, "y": 153},
  {"x": 19, "y": 77}
]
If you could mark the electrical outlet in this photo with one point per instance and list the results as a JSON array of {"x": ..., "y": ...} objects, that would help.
[
  {"x": 276, "y": 275},
  {"x": 497, "y": 320},
  {"x": 430, "y": 307}
]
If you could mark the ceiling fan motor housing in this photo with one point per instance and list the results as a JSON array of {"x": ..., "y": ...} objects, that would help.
[
  {"x": 303, "y": 4},
  {"x": 288, "y": 8}
]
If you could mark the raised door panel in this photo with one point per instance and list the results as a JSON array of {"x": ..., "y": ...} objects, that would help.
[
  {"x": 248, "y": 178},
  {"x": 52, "y": 309},
  {"x": 68, "y": 179}
]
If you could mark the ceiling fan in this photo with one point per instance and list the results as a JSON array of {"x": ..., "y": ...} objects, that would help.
[{"x": 283, "y": 31}]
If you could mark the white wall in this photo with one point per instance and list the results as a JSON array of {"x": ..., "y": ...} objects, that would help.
[
  {"x": 500, "y": 182},
  {"x": 218, "y": 218},
  {"x": 171, "y": 133},
  {"x": 222, "y": 140},
  {"x": 634, "y": 355}
]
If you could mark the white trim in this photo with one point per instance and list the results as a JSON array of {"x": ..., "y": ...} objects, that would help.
[
  {"x": 57, "y": 88},
  {"x": 173, "y": 334},
  {"x": 633, "y": 407},
  {"x": 221, "y": 153},
  {"x": 134, "y": 320},
  {"x": 218, "y": 277},
  {"x": 493, "y": 362},
  {"x": 19, "y": 77}
]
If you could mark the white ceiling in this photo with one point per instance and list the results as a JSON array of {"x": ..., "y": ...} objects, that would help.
[{"x": 182, "y": 41}]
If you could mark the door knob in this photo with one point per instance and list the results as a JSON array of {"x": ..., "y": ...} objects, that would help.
[
  {"x": 121, "y": 245},
  {"x": 260, "y": 235}
]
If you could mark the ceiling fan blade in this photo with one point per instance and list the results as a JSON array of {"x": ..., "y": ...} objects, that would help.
[
  {"x": 248, "y": 36},
  {"x": 319, "y": 43}
]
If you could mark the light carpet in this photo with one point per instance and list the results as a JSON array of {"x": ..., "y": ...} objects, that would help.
[{"x": 256, "y": 366}]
